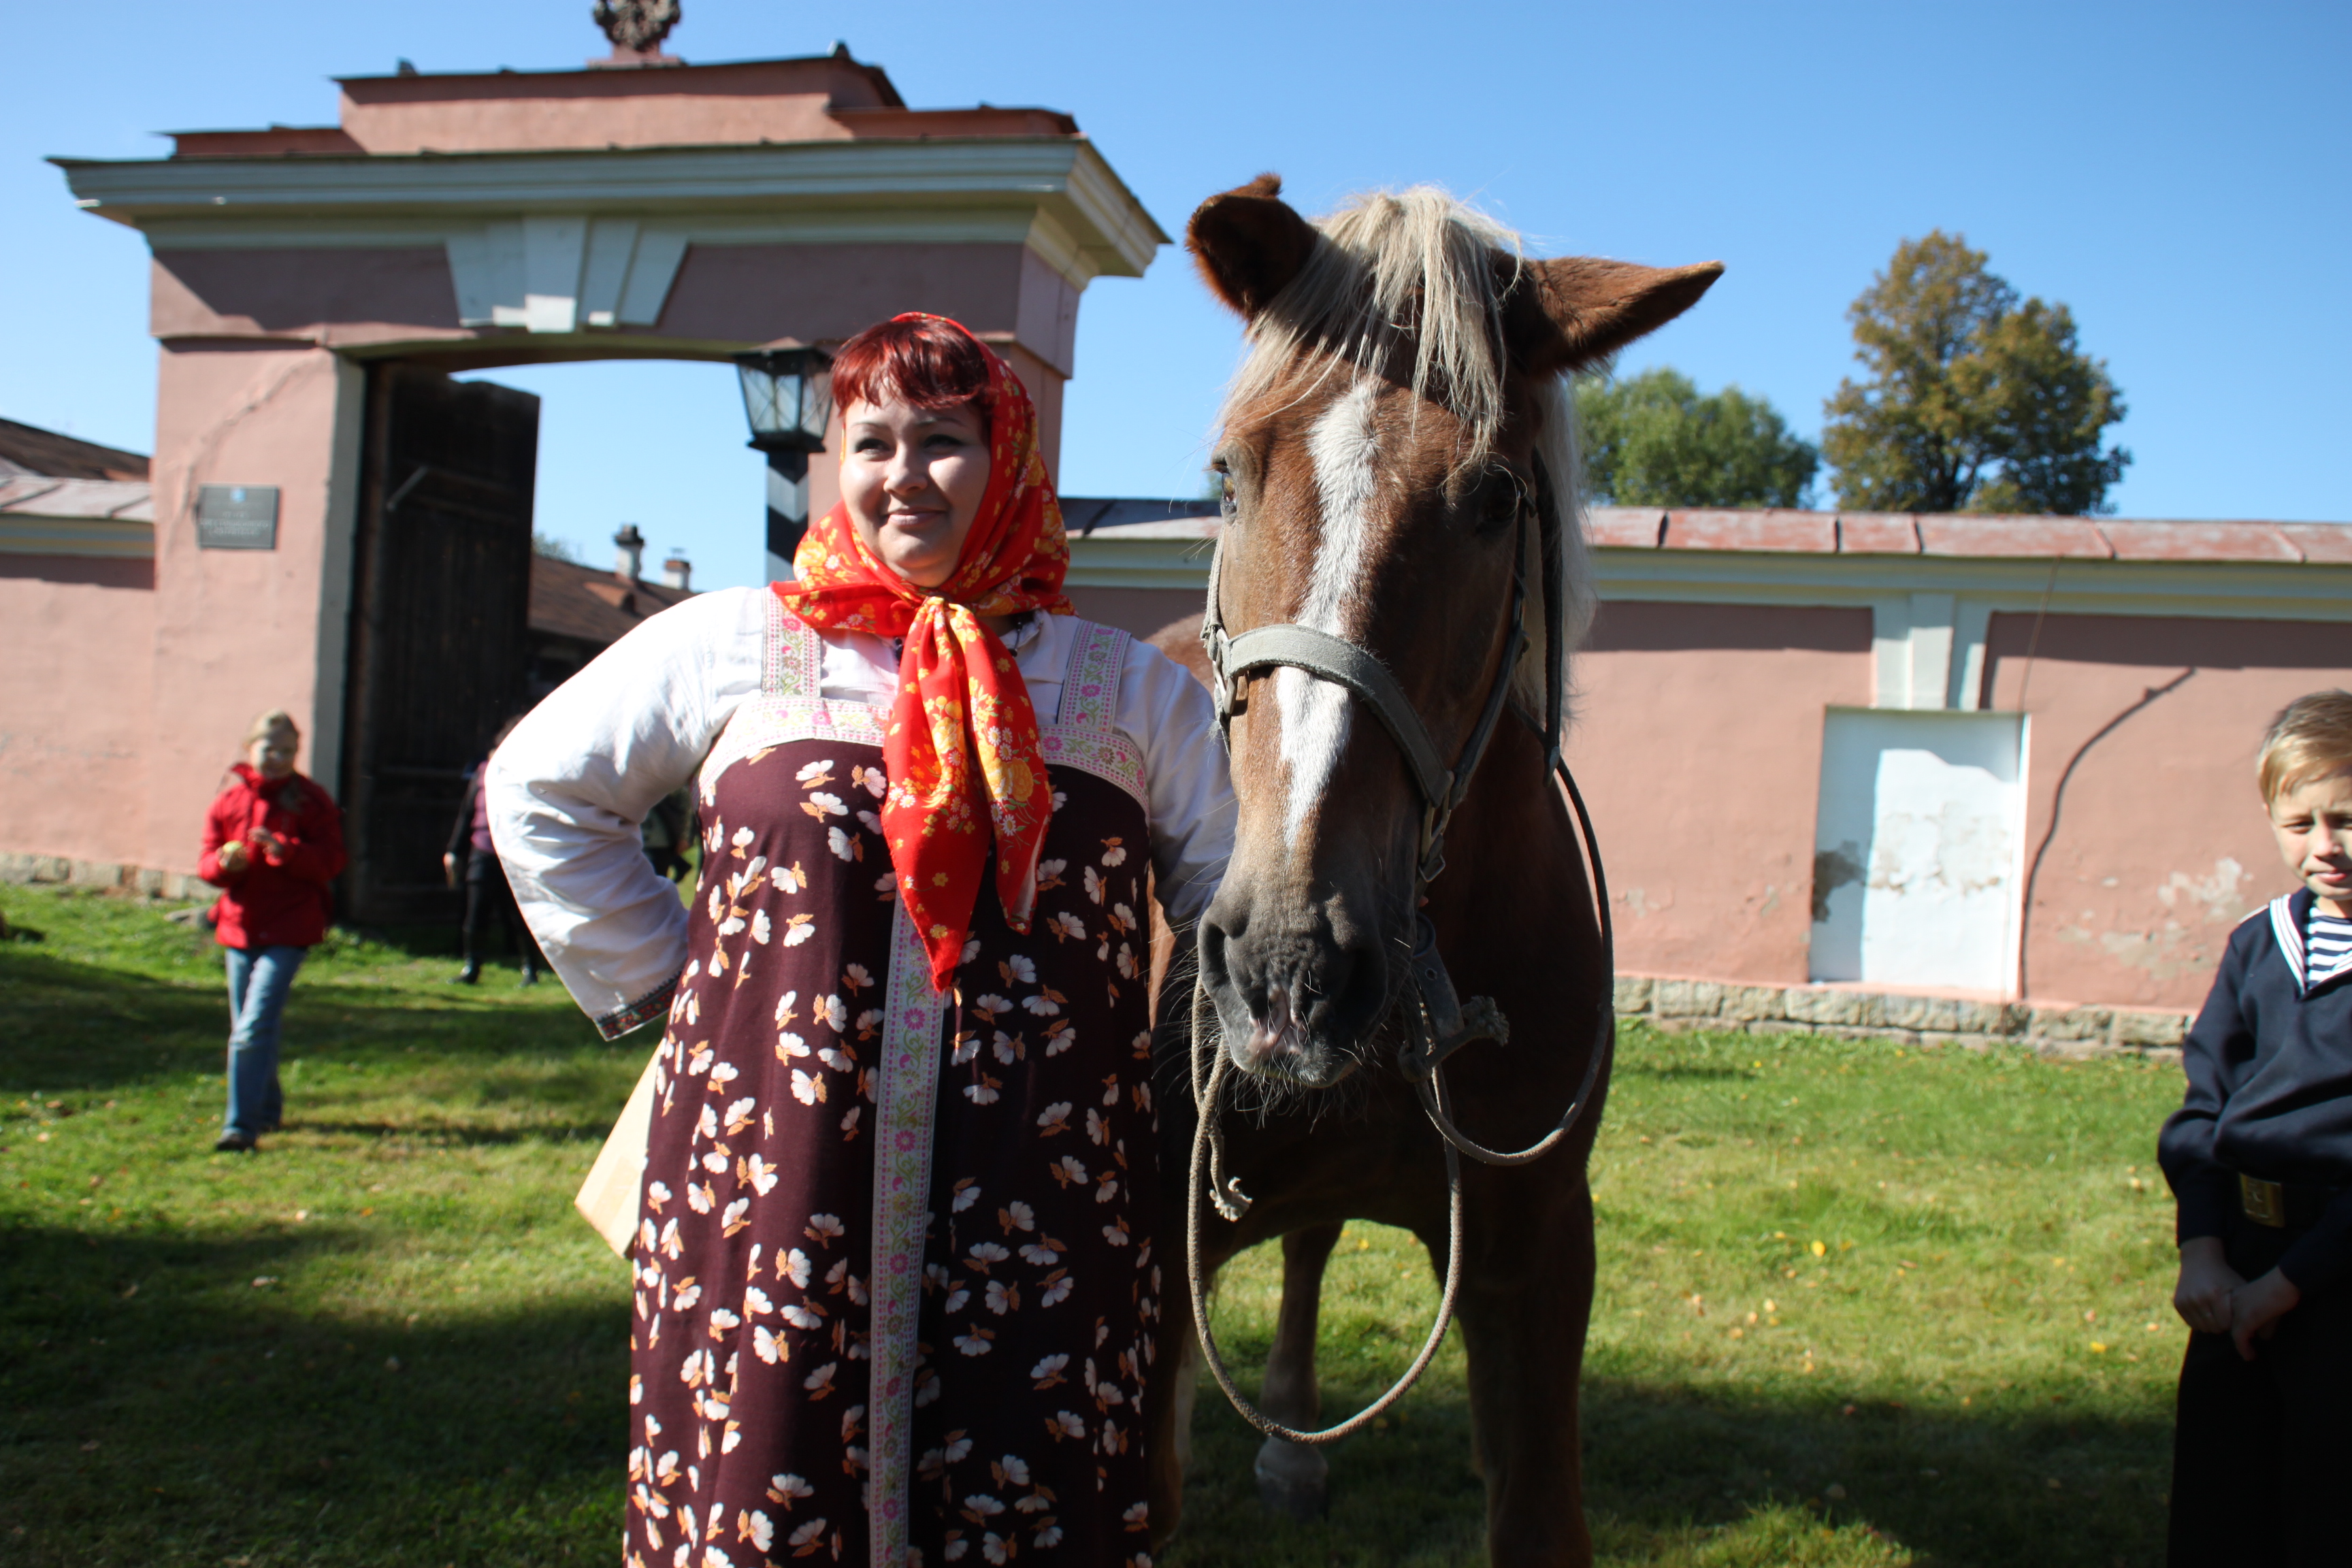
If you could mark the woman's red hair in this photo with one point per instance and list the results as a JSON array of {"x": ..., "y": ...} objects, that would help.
[{"x": 920, "y": 360}]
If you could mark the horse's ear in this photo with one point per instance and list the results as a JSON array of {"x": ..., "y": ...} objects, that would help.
[
  {"x": 1248, "y": 244},
  {"x": 1568, "y": 313}
]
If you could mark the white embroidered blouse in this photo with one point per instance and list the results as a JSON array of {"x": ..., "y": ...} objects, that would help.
[{"x": 570, "y": 787}]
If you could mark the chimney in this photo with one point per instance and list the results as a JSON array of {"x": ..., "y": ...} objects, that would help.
[
  {"x": 678, "y": 571},
  {"x": 628, "y": 553}
]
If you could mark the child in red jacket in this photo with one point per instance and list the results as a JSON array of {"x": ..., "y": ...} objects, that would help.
[{"x": 273, "y": 840}]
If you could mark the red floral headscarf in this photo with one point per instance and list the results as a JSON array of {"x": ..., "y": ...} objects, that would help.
[{"x": 960, "y": 695}]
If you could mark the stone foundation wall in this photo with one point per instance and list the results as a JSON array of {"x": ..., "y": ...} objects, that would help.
[
  {"x": 57, "y": 868},
  {"x": 1841, "y": 1014}
]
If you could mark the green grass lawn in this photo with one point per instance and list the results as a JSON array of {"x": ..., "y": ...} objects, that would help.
[{"x": 1857, "y": 1305}]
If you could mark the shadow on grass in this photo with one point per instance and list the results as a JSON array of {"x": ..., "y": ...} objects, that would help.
[
  {"x": 427, "y": 940},
  {"x": 1955, "y": 1488},
  {"x": 1663, "y": 1464},
  {"x": 156, "y": 1408},
  {"x": 77, "y": 1026},
  {"x": 455, "y": 1135}
]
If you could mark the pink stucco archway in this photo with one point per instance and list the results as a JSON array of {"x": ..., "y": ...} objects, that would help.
[{"x": 468, "y": 221}]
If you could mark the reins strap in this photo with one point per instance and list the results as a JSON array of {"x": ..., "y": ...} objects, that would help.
[
  {"x": 1555, "y": 616},
  {"x": 1204, "y": 1171}
]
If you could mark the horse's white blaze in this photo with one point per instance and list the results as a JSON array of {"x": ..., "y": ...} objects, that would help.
[{"x": 1314, "y": 714}]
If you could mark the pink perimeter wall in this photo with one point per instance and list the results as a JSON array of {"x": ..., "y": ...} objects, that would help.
[
  {"x": 1697, "y": 742},
  {"x": 2161, "y": 845},
  {"x": 76, "y": 640}
]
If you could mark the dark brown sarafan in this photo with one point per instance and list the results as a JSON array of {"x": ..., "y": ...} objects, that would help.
[{"x": 896, "y": 1284}]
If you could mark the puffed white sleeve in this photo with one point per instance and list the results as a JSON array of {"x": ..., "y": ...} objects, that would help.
[
  {"x": 1169, "y": 716},
  {"x": 570, "y": 787}
]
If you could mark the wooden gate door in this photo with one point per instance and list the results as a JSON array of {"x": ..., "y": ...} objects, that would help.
[{"x": 441, "y": 607}]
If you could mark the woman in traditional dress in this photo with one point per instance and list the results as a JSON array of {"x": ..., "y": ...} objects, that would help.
[{"x": 895, "y": 1273}]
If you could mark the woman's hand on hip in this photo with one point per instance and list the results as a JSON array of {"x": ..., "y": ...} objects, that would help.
[{"x": 2203, "y": 1296}]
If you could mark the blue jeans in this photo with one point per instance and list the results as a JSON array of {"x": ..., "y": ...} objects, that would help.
[{"x": 258, "y": 979}]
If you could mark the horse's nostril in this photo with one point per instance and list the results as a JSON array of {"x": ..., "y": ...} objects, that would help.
[{"x": 1273, "y": 1029}]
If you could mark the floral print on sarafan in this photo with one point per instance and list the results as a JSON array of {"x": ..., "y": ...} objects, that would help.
[{"x": 895, "y": 1280}]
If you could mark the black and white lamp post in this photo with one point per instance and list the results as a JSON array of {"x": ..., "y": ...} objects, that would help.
[{"x": 787, "y": 397}]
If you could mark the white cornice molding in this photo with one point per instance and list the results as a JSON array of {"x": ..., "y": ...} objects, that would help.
[{"x": 811, "y": 192}]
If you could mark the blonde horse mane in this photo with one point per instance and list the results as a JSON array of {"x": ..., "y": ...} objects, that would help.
[{"x": 1417, "y": 267}]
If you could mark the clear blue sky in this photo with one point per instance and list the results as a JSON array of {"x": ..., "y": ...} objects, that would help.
[{"x": 2178, "y": 174}]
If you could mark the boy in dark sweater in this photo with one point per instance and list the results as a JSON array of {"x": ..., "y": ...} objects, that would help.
[{"x": 2260, "y": 1159}]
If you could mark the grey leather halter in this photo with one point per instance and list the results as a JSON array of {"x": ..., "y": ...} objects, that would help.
[{"x": 1438, "y": 1022}]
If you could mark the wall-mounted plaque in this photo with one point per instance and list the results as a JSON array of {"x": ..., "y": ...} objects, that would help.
[{"x": 236, "y": 516}]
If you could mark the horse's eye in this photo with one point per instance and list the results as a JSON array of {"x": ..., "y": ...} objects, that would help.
[
  {"x": 1224, "y": 484},
  {"x": 1498, "y": 500}
]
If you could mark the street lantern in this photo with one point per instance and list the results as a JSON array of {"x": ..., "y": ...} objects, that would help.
[{"x": 787, "y": 399}]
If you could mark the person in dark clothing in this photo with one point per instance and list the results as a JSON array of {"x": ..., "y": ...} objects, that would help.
[
  {"x": 472, "y": 859},
  {"x": 2259, "y": 1160},
  {"x": 667, "y": 830}
]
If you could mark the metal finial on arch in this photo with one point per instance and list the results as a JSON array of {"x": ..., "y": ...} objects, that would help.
[{"x": 638, "y": 27}]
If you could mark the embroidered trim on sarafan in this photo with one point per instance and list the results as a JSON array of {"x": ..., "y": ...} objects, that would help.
[
  {"x": 790, "y": 706},
  {"x": 765, "y": 721},
  {"x": 914, "y": 1020},
  {"x": 1112, "y": 758},
  {"x": 653, "y": 1003},
  {"x": 1090, "y": 685},
  {"x": 790, "y": 662},
  {"x": 1083, "y": 735}
]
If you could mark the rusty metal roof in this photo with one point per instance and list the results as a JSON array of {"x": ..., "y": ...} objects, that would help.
[
  {"x": 29, "y": 449},
  {"x": 1970, "y": 535},
  {"x": 590, "y": 603},
  {"x": 1788, "y": 533},
  {"x": 34, "y": 495}
]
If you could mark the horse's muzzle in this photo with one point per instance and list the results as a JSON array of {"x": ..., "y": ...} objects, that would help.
[{"x": 1294, "y": 1004}]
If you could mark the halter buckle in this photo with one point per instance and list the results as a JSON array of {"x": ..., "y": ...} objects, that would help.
[
  {"x": 1433, "y": 845},
  {"x": 1441, "y": 1022}
]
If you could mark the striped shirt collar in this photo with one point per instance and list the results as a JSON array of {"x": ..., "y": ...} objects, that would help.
[
  {"x": 2328, "y": 945},
  {"x": 2289, "y": 913}
]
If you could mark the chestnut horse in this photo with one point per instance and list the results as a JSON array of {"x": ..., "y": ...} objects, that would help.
[{"x": 1399, "y": 475}]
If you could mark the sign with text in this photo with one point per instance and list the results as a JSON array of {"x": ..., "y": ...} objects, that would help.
[{"x": 236, "y": 516}]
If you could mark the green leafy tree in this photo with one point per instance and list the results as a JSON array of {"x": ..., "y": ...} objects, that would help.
[
  {"x": 1974, "y": 402},
  {"x": 1653, "y": 440},
  {"x": 557, "y": 548}
]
